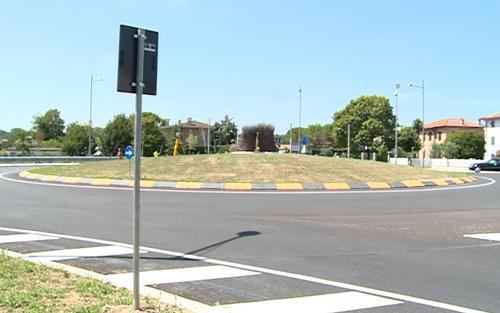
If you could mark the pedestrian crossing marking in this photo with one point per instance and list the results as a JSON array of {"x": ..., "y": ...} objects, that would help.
[
  {"x": 24, "y": 238},
  {"x": 179, "y": 275},
  {"x": 329, "y": 303},
  {"x": 67, "y": 254}
]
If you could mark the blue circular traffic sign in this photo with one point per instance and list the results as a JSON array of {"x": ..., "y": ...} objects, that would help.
[{"x": 129, "y": 152}]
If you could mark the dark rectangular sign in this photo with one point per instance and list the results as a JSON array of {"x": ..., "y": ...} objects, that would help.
[{"x": 127, "y": 60}]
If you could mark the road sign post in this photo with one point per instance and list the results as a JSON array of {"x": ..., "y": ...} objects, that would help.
[{"x": 130, "y": 38}]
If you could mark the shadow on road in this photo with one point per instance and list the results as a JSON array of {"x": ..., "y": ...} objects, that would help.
[{"x": 197, "y": 252}]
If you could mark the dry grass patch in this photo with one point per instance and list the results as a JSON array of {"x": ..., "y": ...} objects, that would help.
[{"x": 256, "y": 168}]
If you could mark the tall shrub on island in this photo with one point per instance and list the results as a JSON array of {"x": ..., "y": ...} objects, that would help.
[{"x": 259, "y": 136}]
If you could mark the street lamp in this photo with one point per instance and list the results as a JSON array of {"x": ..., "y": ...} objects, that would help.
[
  {"x": 396, "y": 92},
  {"x": 423, "y": 115},
  {"x": 92, "y": 81}
]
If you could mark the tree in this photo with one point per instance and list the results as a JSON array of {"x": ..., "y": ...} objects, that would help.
[
  {"x": 437, "y": 150},
  {"x": 18, "y": 134},
  {"x": 409, "y": 140},
  {"x": 315, "y": 132},
  {"x": 417, "y": 125},
  {"x": 450, "y": 150},
  {"x": 118, "y": 133},
  {"x": 470, "y": 144},
  {"x": 225, "y": 131},
  {"x": 191, "y": 142},
  {"x": 76, "y": 141},
  {"x": 49, "y": 126},
  {"x": 294, "y": 135},
  {"x": 369, "y": 117},
  {"x": 152, "y": 138}
]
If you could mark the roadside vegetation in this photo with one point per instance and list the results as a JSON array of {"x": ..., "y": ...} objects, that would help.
[
  {"x": 33, "y": 288},
  {"x": 255, "y": 167}
]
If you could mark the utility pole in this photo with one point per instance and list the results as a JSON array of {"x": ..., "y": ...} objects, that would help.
[
  {"x": 349, "y": 141},
  {"x": 208, "y": 135},
  {"x": 423, "y": 117},
  {"x": 300, "y": 118},
  {"x": 92, "y": 81},
  {"x": 397, "y": 87}
]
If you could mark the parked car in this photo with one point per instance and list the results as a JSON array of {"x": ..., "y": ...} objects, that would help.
[{"x": 491, "y": 165}]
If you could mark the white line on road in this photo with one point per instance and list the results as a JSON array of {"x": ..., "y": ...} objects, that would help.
[
  {"x": 489, "y": 236},
  {"x": 66, "y": 254},
  {"x": 24, "y": 238},
  {"x": 330, "y": 303},
  {"x": 181, "y": 275},
  {"x": 377, "y": 292}
]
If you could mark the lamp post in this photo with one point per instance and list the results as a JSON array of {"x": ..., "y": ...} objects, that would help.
[
  {"x": 396, "y": 92},
  {"x": 92, "y": 81},
  {"x": 423, "y": 115}
]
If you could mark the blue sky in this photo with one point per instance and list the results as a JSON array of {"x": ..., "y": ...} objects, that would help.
[{"x": 247, "y": 58}]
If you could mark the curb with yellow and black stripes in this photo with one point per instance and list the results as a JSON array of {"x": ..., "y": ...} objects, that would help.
[{"x": 337, "y": 186}]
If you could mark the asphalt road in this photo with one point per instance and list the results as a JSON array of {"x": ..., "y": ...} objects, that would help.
[{"x": 408, "y": 243}]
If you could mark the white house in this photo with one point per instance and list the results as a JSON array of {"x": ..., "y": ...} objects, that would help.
[{"x": 492, "y": 134}]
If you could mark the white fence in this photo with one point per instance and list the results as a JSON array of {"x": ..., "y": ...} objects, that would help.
[{"x": 437, "y": 163}]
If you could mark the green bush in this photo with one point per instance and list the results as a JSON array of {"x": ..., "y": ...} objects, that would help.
[
  {"x": 328, "y": 152},
  {"x": 51, "y": 143},
  {"x": 382, "y": 153},
  {"x": 223, "y": 149}
]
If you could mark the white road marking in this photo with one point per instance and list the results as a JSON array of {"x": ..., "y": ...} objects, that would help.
[
  {"x": 372, "y": 291},
  {"x": 490, "y": 236},
  {"x": 181, "y": 275},
  {"x": 66, "y": 254},
  {"x": 270, "y": 192},
  {"x": 331, "y": 303},
  {"x": 24, "y": 238}
]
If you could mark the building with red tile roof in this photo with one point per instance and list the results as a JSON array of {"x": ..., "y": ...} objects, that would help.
[{"x": 436, "y": 132}]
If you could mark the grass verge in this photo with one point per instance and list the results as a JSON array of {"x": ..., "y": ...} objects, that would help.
[
  {"x": 252, "y": 168},
  {"x": 33, "y": 288}
]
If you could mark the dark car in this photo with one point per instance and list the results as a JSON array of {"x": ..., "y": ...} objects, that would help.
[{"x": 491, "y": 165}]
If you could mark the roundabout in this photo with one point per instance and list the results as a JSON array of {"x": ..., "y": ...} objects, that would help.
[{"x": 390, "y": 250}]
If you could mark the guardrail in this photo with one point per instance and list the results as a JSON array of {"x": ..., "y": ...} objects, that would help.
[{"x": 52, "y": 159}]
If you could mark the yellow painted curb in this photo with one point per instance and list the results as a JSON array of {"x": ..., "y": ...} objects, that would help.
[
  {"x": 147, "y": 183},
  {"x": 188, "y": 185},
  {"x": 467, "y": 179},
  {"x": 457, "y": 181},
  {"x": 378, "y": 185},
  {"x": 25, "y": 174},
  {"x": 101, "y": 182},
  {"x": 71, "y": 180},
  {"x": 238, "y": 186},
  {"x": 289, "y": 186},
  {"x": 440, "y": 182},
  {"x": 413, "y": 183},
  {"x": 48, "y": 178},
  {"x": 337, "y": 186}
]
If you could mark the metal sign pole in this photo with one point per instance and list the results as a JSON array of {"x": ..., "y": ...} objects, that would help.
[{"x": 137, "y": 161}]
